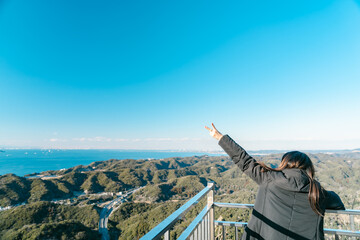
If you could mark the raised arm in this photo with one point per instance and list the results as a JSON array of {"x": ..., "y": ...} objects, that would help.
[
  {"x": 241, "y": 158},
  {"x": 244, "y": 161}
]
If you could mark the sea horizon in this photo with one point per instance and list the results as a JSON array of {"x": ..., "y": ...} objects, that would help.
[{"x": 29, "y": 161}]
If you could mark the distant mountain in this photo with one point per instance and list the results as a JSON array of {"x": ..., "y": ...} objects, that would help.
[
  {"x": 104, "y": 176},
  {"x": 119, "y": 175}
]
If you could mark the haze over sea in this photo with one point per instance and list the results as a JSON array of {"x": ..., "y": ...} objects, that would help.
[{"x": 26, "y": 161}]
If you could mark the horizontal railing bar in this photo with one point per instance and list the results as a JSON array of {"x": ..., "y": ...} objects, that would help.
[
  {"x": 230, "y": 224},
  {"x": 326, "y": 230},
  {"x": 242, "y": 205},
  {"x": 233, "y": 205},
  {"x": 170, "y": 221},
  {"x": 342, "y": 232},
  {"x": 192, "y": 226},
  {"x": 348, "y": 211}
]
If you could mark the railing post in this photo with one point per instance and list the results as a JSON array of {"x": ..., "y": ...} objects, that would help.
[
  {"x": 352, "y": 224},
  {"x": 223, "y": 232},
  {"x": 210, "y": 204},
  {"x": 167, "y": 235}
]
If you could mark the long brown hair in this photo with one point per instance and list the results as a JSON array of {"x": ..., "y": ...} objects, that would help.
[{"x": 296, "y": 159}]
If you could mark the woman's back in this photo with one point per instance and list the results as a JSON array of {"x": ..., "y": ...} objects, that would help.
[{"x": 282, "y": 209}]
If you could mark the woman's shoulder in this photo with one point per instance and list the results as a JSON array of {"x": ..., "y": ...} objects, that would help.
[
  {"x": 289, "y": 174},
  {"x": 291, "y": 179}
]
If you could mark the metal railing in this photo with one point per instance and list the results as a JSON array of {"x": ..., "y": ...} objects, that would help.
[
  {"x": 336, "y": 232},
  {"x": 203, "y": 226}
]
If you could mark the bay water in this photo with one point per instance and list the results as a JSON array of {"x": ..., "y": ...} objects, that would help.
[{"x": 26, "y": 161}]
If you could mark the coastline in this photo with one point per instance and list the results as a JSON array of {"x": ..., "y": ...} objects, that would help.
[{"x": 23, "y": 162}]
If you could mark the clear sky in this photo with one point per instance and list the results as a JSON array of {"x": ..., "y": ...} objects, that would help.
[{"x": 151, "y": 74}]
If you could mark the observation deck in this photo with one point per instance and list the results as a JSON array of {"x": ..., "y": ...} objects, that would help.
[{"x": 203, "y": 226}]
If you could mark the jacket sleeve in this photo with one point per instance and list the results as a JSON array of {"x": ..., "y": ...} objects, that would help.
[
  {"x": 333, "y": 201},
  {"x": 244, "y": 161}
]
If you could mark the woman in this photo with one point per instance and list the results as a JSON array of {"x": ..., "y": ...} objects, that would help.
[{"x": 290, "y": 203}]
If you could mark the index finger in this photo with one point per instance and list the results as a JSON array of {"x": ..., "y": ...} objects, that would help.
[
  {"x": 208, "y": 128},
  {"x": 213, "y": 126}
]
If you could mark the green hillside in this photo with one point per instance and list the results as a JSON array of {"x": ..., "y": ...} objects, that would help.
[
  {"x": 169, "y": 183},
  {"x": 40, "y": 220}
]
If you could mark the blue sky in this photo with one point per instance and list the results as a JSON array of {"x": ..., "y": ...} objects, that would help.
[{"x": 151, "y": 74}]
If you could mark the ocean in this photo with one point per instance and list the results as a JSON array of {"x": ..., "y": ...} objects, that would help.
[{"x": 26, "y": 161}]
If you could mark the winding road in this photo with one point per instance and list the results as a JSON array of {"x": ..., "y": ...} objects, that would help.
[{"x": 108, "y": 209}]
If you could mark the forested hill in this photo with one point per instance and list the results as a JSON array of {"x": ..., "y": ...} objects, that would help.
[{"x": 168, "y": 184}]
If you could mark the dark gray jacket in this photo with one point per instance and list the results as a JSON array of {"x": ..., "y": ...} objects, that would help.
[{"x": 282, "y": 209}]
